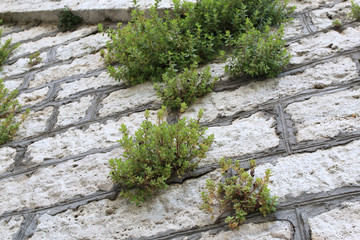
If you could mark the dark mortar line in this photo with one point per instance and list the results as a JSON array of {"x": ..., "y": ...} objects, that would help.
[
  {"x": 34, "y": 39},
  {"x": 51, "y": 121},
  {"x": 27, "y": 222},
  {"x": 300, "y": 224},
  {"x": 309, "y": 26},
  {"x": 51, "y": 56},
  {"x": 283, "y": 128}
]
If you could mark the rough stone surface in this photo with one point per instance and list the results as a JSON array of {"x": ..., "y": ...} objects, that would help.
[
  {"x": 128, "y": 98},
  {"x": 87, "y": 45},
  {"x": 269, "y": 230},
  {"x": 128, "y": 220},
  {"x": 73, "y": 112},
  {"x": 253, "y": 134},
  {"x": 13, "y": 84},
  {"x": 58, "y": 182},
  {"x": 340, "y": 223},
  {"x": 67, "y": 89},
  {"x": 247, "y": 97},
  {"x": 323, "y": 44},
  {"x": 321, "y": 171},
  {"x": 33, "y": 97},
  {"x": 31, "y": 47},
  {"x": 29, "y": 33},
  {"x": 7, "y": 155},
  {"x": 9, "y": 227},
  {"x": 308, "y": 4},
  {"x": 292, "y": 29},
  {"x": 34, "y": 124},
  {"x": 75, "y": 141},
  {"x": 78, "y": 66},
  {"x": 326, "y": 116}
]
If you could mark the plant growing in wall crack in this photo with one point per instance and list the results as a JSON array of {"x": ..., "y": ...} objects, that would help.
[
  {"x": 67, "y": 20},
  {"x": 10, "y": 118},
  {"x": 156, "y": 152},
  {"x": 238, "y": 193},
  {"x": 6, "y": 49}
]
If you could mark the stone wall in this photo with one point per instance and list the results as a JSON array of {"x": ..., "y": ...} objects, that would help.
[{"x": 304, "y": 125}]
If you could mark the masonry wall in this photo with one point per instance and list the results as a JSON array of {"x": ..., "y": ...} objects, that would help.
[{"x": 304, "y": 125}]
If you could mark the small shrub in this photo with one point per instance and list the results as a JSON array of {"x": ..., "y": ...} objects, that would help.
[
  {"x": 259, "y": 53},
  {"x": 239, "y": 193},
  {"x": 355, "y": 11},
  {"x": 9, "y": 108},
  {"x": 157, "y": 152},
  {"x": 336, "y": 23},
  {"x": 6, "y": 49},
  {"x": 187, "y": 87},
  {"x": 34, "y": 59},
  {"x": 68, "y": 21}
]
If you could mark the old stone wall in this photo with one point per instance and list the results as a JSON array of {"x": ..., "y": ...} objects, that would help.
[{"x": 304, "y": 125}]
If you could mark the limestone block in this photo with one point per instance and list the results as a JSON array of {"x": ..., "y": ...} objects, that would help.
[
  {"x": 75, "y": 141},
  {"x": 30, "y": 33},
  {"x": 57, "y": 183},
  {"x": 323, "y": 44},
  {"x": 34, "y": 97},
  {"x": 86, "y": 45},
  {"x": 13, "y": 84},
  {"x": 125, "y": 99},
  {"x": 340, "y": 223},
  {"x": 78, "y": 66},
  {"x": 308, "y": 4},
  {"x": 73, "y": 112},
  {"x": 174, "y": 209},
  {"x": 249, "y": 96},
  {"x": 292, "y": 29},
  {"x": 269, "y": 230},
  {"x": 323, "y": 18},
  {"x": 86, "y": 83},
  {"x": 61, "y": 37},
  {"x": 34, "y": 124},
  {"x": 9, "y": 227},
  {"x": 7, "y": 155},
  {"x": 325, "y": 116},
  {"x": 249, "y": 135},
  {"x": 308, "y": 173}
]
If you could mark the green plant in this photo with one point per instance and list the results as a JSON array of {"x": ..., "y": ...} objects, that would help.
[
  {"x": 187, "y": 87},
  {"x": 67, "y": 20},
  {"x": 336, "y": 23},
  {"x": 6, "y": 49},
  {"x": 34, "y": 59},
  {"x": 9, "y": 109},
  {"x": 239, "y": 193},
  {"x": 156, "y": 153},
  {"x": 191, "y": 32},
  {"x": 259, "y": 53},
  {"x": 355, "y": 10}
]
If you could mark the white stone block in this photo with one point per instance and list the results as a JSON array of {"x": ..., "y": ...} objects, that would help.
[
  {"x": 9, "y": 227},
  {"x": 34, "y": 97},
  {"x": 73, "y": 112},
  {"x": 7, "y": 155}
]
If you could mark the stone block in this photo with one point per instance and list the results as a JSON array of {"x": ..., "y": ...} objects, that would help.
[
  {"x": 308, "y": 4},
  {"x": 7, "y": 155},
  {"x": 9, "y": 227},
  {"x": 34, "y": 97},
  {"x": 325, "y": 116},
  {"x": 13, "y": 84},
  {"x": 30, "y": 33},
  {"x": 73, "y": 112}
]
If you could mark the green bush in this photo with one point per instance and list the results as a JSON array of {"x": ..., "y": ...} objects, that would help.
[
  {"x": 9, "y": 109},
  {"x": 6, "y": 49},
  {"x": 239, "y": 194},
  {"x": 157, "y": 152},
  {"x": 259, "y": 53},
  {"x": 191, "y": 32},
  {"x": 68, "y": 21},
  {"x": 187, "y": 87},
  {"x": 355, "y": 11}
]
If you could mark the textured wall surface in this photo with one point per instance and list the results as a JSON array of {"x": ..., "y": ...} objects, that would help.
[{"x": 303, "y": 124}]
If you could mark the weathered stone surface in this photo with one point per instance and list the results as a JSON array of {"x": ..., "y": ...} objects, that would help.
[
  {"x": 13, "y": 84},
  {"x": 7, "y": 155},
  {"x": 57, "y": 183},
  {"x": 87, "y": 45},
  {"x": 86, "y": 83},
  {"x": 75, "y": 141},
  {"x": 294, "y": 28},
  {"x": 129, "y": 98},
  {"x": 308, "y": 4},
  {"x": 269, "y": 230},
  {"x": 73, "y": 112},
  {"x": 78, "y": 66},
  {"x": 323, "y": 44},
  {"x": 253, "y": 134},
  {"x": 30, "y": 33},
  {"x": 31, "y": 47},
  {"x": 340, "y": 223},
  {"x": 33, "y": 97},
  {"x": 325, "y": 116},
  {"x": 9, "y": 227},
  {"x": 34, "y": 124},
  {"x": 127, "y": 219},
  {"x": 255, "y": 93},
  {"x": 307, "y": 173}
]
